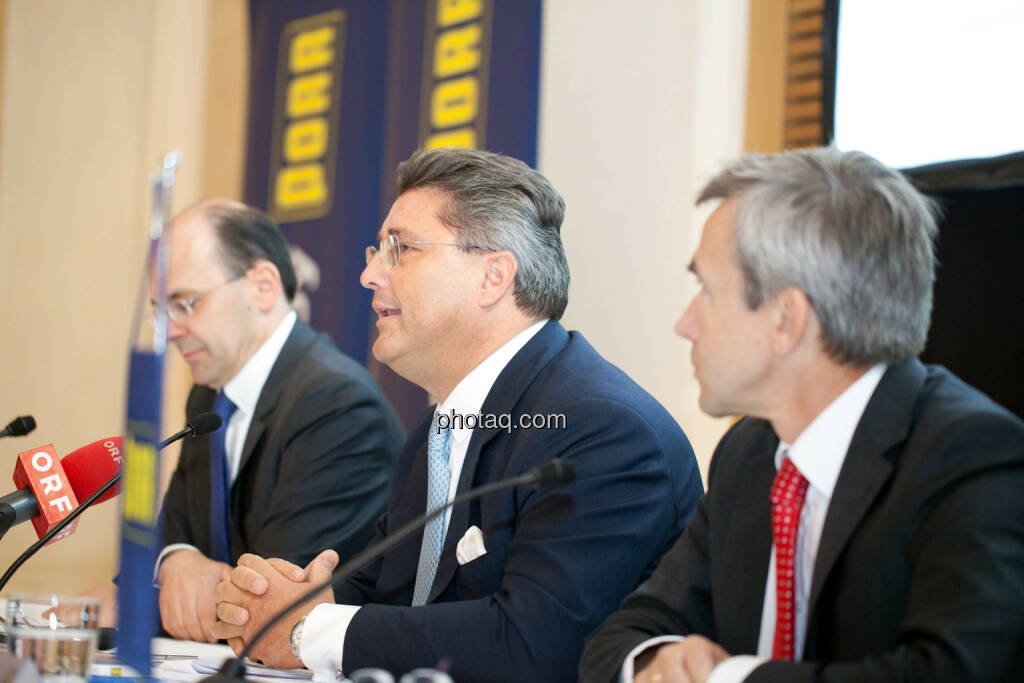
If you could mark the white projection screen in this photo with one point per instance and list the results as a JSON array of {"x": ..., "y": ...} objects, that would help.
[{"x": 926, "y": 82}]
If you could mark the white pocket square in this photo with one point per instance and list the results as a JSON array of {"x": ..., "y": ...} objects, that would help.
[{"x": 471, "y": 546}]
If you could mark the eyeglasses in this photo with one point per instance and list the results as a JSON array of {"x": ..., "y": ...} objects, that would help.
[
  {"x": 182, "y": 310},
  {"x": 391, "y": 247}
]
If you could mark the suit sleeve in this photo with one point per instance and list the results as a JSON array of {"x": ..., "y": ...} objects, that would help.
[
  {"x": 676, "y": 600},
  {"x": 361, "y": 587},
  {"x": 964, "y": 618},
  {"x": 334, "y": 476},
  {"x": 175, "y": 517},
  {"x": 573, "y": 553},
  {"x": 175, "y": 521}
]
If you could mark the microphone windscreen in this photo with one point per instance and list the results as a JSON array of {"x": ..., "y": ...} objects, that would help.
[
  {"x": 20, "y": 426},
  {"x": 554, "y": 472},
  {"x": 91, "y": 466},
  {"x": 204, "y": 423}
]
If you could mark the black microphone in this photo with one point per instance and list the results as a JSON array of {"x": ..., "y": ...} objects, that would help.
[
  {"x": 554, "y": 472},
  {"x": 201, "y": 424},
  {"x": 19, "y": 426}
]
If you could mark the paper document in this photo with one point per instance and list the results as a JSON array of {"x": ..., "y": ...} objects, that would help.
[{"x": 210, "y": 666}]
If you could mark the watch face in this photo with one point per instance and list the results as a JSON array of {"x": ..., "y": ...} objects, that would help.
[{"x": 296, "y": 637}]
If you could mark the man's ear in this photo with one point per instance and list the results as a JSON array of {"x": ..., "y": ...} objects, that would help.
[
  {"x": 791, "y": 318},
  {"x": 499, "y": 278},
  {"x": 267, "y": 284}
]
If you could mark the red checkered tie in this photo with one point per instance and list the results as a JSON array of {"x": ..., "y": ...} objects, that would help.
[{"x": 788, "y": 493}]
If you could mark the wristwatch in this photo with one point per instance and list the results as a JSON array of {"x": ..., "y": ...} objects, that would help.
[{"x": 296, "y": 638}]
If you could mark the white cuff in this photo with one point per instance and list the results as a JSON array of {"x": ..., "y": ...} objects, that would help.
[
  {"x": 735, "y": 669},
  {"x": 323, "y": 637},
  {"x": 627, "y": 666},
  {"x": 172, "y": 548}
]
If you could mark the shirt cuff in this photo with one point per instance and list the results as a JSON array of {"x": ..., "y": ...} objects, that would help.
[
  {"x": 323, "y": 637},
  {"x": 172, "y": 548},
  {"x": 627, "y": 666},
  {"x": 735, "y": 669}
]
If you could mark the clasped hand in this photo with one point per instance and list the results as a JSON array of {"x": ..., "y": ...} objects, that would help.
[
  {"x": 688, "y": 661},
  {"x": 258, "y": 589}
]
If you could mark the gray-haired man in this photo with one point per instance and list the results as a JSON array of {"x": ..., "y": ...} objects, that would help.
[{"x": 865, "y": 522}]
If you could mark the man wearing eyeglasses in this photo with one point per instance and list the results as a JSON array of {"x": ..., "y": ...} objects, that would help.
[
  {"x": 468, "y": 280},
  {"x": 305, "y": 456}
]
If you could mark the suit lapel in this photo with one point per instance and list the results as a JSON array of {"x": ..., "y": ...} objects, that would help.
[
  {"x": 301, "y": 338},
  {"x": 885, "y": 424},
  {"x": 410, "y": 504},
  {"x": 508, "y": 388},
  {"x": 748, "y": 547}
]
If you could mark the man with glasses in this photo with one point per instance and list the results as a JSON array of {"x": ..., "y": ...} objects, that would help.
[
  {"x": 468, "y": 280},
  {"x": 304, "y": 458}
]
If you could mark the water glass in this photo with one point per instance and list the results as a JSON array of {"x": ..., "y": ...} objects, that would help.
[{"x": 58, "y": 633}]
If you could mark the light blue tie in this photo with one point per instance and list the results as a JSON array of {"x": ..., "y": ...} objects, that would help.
[{"x": 438, "y": 480}]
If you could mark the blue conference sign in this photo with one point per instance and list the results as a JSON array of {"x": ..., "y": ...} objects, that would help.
[
  {"x": 140, "y": 529},
  {"x": 341, "y": 91}
]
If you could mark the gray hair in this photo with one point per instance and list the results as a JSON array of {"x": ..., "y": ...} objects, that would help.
[
  {"x": 851, "y": 233},
  {"x": 500, "y": 203}
]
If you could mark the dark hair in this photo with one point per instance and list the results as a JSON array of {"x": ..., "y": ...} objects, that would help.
[
  {"x": 248, "y": 235},
  {"x": 500, "y": 203}
]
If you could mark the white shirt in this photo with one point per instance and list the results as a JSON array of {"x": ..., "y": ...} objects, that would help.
[
  {"x": 818, "y": 452},
  {"x": 244, "y": 390},
  {"x": 323, "y": 634}
]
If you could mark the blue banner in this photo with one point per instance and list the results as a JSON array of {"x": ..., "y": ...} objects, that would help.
[
  {"x": 141, "y": 537},
  {"x": 138, "y": 620},
  {"x": 340, "y": 92}
]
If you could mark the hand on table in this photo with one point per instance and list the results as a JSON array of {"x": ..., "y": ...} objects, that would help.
[
  {"x": 188, "y": 608},
  {"x": 688, "y": 661},
  {"x": 107, "y": 594},
  {"x": 257, "y": 590}
]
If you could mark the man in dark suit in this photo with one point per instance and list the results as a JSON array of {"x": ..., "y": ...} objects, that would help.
[
  {"x": 865, "y": 522},
  {"x": 468, "y": 282},
  {"x": 305, "y": 456}
]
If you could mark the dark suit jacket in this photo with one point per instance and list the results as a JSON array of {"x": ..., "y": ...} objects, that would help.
[
  {"x": 558, "y": 560},
  {"x": 920, "y": 570},
  {"x": 315, "y": 470}
]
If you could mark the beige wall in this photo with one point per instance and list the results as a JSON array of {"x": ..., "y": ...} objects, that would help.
[
  {"x": 93, "y": 94},
  {"x": 639, "y": 103}
]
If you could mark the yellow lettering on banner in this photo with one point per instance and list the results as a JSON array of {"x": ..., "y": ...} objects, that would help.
[
  {"x": 457, "y": 51},
  {"x": 300, "y": 186},
  {"x": 454, "y": 103},
  {"x": 451, "y": 12},
  {"x": 308, "y": 95},
  {"x": 139, "y": 482},
  {"x": 305, "y": 140},
  {"x": 462, "y": 138},
  {"x": 312, "y": 50}
]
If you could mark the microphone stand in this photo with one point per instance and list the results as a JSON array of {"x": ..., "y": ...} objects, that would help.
[
  {"x": 57, "y": 528},
  {"x": 7, "y": 518},
  {"x": 205, "y": 424},
  {"x": 552, "y": 473}
]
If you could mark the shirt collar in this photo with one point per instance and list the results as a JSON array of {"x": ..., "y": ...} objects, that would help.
[
  {"x": 468, "y": 395},
  {"x": 820, "y": 449},
  {"x": 245, "y": 387}
]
